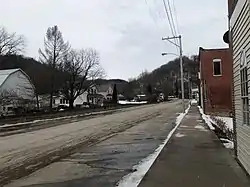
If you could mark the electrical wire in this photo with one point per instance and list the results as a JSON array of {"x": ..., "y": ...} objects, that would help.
[
  {"x": 168, "y": 16},
  {"x": 171, "y": 17},
  {"x": 170, "y": 20},
  {"x": 153, "y": 18},
  {"x": 176, "y": 17}
]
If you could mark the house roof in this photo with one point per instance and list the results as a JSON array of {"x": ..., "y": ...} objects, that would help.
[
  {"x": 4, "y": 74},
  {"x": 213, "y": 49},
  {"x": 102, "y": 87}
]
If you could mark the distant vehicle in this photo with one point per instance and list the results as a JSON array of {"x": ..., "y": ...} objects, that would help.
[
  {"x": 140, "y": 98},
  {"x": 85, "y": 105},
  {"x": 62, "y": 107}
]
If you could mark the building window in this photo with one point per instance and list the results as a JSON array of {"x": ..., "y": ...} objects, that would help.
[
  {"x": 244, "y": 95},
  {"x": 10, "y": 108},
  {"x": 217, "y": 67},
  {"x": 244, "y": 88},
  {"x": 61, "y": 101}
]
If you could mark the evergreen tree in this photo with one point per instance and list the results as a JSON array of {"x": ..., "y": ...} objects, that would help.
[{"x": 114, "y": 96}]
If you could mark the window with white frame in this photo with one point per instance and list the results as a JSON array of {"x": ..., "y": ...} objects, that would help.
[
  {"x": 217, "y": 67},
  {"x": 244, "y": 89}
]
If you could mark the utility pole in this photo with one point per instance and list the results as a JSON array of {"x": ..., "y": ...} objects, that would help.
[{"x": 181, "y": 65}]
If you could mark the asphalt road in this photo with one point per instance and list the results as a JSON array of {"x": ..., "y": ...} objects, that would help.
[{"x": 93, "y": 153}]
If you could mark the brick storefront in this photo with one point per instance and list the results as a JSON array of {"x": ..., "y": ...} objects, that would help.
[{"x": 216, "y": 80}]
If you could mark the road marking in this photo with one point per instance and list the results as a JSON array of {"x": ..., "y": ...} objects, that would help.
[{"x": 134, "y": 179}]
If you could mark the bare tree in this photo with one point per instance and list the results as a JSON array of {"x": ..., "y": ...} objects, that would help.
[
  {"x": 10, "y": 43},
  {"x": 81, "y": 69},
  {"x": 55, "y": 48}
]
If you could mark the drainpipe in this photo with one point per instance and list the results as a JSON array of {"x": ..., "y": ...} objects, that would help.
[{"x": 233, "y": 98}]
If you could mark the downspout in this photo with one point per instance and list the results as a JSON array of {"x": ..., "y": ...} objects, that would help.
[{"x": 233, "y": 91}]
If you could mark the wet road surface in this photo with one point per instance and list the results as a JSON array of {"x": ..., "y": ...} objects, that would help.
[{"x": 106, "y": 162}]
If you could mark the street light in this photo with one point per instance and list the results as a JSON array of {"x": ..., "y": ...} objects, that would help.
[
  {"x": 181, "y": 64},
  {"x": 164, "y": 54}
]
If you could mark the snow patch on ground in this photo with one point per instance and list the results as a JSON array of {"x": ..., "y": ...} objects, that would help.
[
  {"x": 44, "y": 120},
  {"x": 181, "y": 116},
  {"x": 227, "y": 143},
  {"x": 184, "y": 126},
  {"x": 228, "y": 122},
  {"x": 199, "y": 127},
  {"x": 131, "y": 102},
  {"x": 179, "y": 135},
  {"x": 194, "y": 101},
  {"x": 134, "y": 179},
  {"x": 207, "y": 119}
]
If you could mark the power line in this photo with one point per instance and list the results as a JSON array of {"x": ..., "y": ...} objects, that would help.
[
  {"x": 153, "y": 18},
  {"x": 171, "y": 16},
  {"x": 168, "y": 16},
  {"x": 176, "y": 17},
  {"x": 170, "y": 20}
]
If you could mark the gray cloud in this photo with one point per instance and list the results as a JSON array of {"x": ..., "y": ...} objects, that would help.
[{"x": 127, "y": 33}]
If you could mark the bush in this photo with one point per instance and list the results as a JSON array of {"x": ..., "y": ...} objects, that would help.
[{"x": 223, "y": 127}]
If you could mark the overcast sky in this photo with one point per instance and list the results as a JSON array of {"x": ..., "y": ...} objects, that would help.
[{"x": 127, "y": 33}]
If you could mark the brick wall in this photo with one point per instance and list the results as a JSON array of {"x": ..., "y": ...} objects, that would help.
[{"x": 218, "y": 89}]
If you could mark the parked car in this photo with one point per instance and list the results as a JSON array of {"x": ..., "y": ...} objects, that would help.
[
  {"x": 62, "y": 107},
  {"x": 85, "y": 105}
]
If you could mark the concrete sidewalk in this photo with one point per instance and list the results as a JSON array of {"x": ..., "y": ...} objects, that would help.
[{"x": 194, "y": 157}]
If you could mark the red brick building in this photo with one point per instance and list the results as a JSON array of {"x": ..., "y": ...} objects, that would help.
[{"x": 216, "y": 80}]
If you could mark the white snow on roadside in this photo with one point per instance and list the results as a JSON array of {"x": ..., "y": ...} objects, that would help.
[
  {"x": 184, "y": 126},
  {"x": 206, "y": 118},
  {"x": 134, "y": 179},
  {"x": 228, "y": 122},
  {"x": 131, "y": 102},
  {"x": 199, "y": 127},
  {"x": 49, "y": 119},
  {"x": 227, "y": 143},
  {"x": 43, "y": 120},
  {"x": 181, "y": 116},
  {"x": 194, "y": 101},
  {"x": 179, "y": 135}
]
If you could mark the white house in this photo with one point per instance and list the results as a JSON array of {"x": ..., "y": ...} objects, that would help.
[
  {"x": 16, "y": 91},
  {"x": 90, "y": 96},
  {"x": 106, "y": 90},
  {"x": 240, "y": 43}
]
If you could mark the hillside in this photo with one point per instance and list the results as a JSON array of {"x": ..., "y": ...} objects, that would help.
[
  {"x": 36, "y": 71},
  {"x": 165, "y": 78},
  {"x": 40, "y": 73}
]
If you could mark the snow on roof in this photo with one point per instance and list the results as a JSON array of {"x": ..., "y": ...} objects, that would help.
[{"x": 5, "y": 73}]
